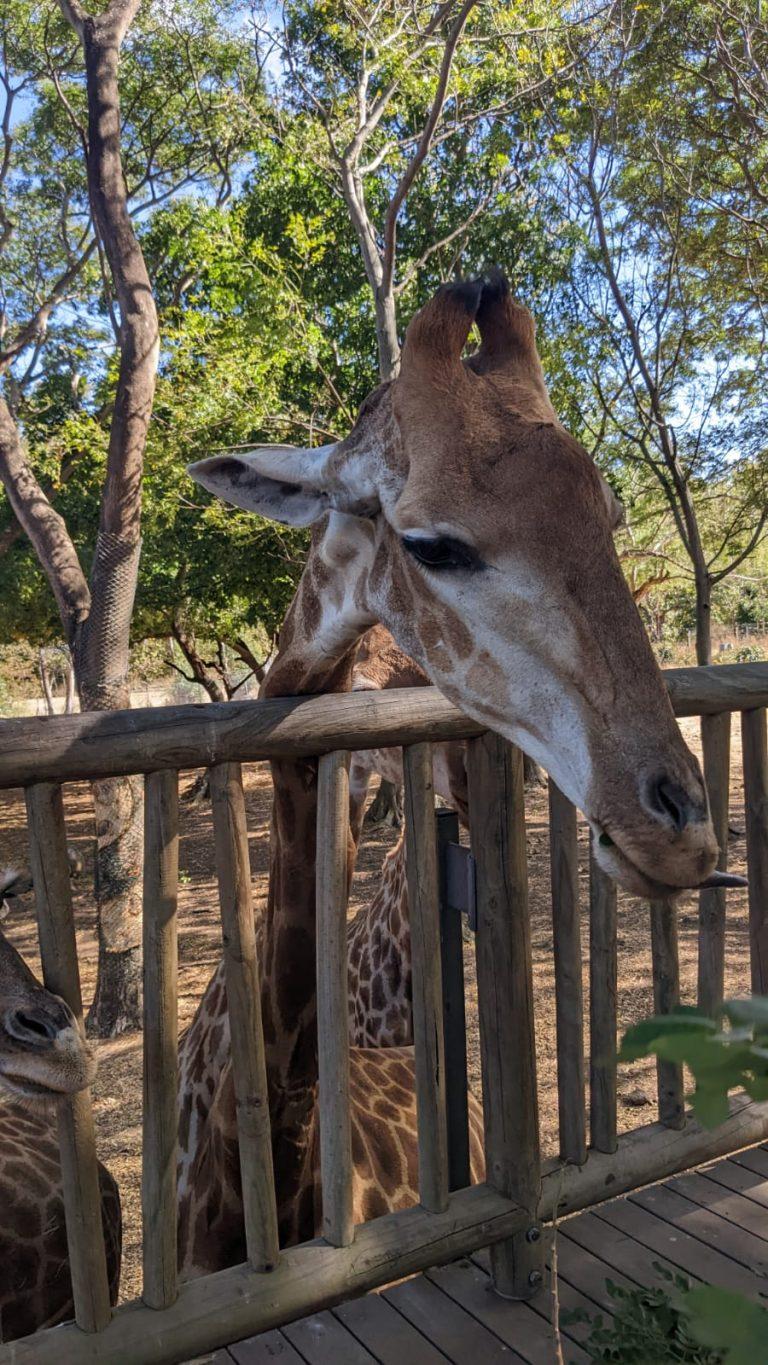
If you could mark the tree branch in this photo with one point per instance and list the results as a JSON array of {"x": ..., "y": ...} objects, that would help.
[
  {"x": 44, "y": 526},
  {"x": 425, "y": 142}
]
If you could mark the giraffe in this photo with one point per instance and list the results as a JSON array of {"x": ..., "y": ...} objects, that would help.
[
  {"x": 461, "y": 515},
  {"x": 382, "y": 1081},
  {"x": 43, "y": 1055},
  {"x": 378, "y": 938}
]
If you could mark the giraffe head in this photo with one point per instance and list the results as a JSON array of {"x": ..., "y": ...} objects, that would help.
[
  {"x": 462, "y": 515},
  {"x": 43, "y": 1052}
]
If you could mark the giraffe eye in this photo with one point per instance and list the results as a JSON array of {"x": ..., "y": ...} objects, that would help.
[{"x": 442, "y": 553}]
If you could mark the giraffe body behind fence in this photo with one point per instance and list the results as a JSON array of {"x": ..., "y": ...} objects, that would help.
[{"x": 43, "y": 1055}]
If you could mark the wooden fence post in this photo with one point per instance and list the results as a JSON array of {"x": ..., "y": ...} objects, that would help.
[
  {"x": 755, "y": 754},
  {"x": 454, "y": 1012},
  {"x": 569, "y": 992},
  {"x": 602, "y": 1007},
  {"x": 716, "y": 744},
  {"x": 666, "y": 998},
  {"x": 77, "y": 1141},
  {"x": 332, "y": 993},
  {"x": 161, "y": 1041},
  {"x": 421, "y": 867},
  {"x": 244, "y": 1001},
  {"x": 505, "y": 1002}
]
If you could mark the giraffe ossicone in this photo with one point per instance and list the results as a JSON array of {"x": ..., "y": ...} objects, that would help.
[{"x": 467, "y": 520}]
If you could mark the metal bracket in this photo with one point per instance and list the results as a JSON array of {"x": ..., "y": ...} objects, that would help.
[{"x": 461, "y": 882}]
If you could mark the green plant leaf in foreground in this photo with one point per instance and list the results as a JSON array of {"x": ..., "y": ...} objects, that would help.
[
  {"x": 727, "y": 1322},
  {"x": 723, "y": 1054}
]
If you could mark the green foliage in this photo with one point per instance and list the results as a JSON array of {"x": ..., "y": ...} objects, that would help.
[
  {"x": 727, "y": 1323},
  {"x": 720, "y": 1058},
  {"x": 648, "y": 1327},
  {"x": 680, "y": 1325},
  {"x": 267, "y": 316}
]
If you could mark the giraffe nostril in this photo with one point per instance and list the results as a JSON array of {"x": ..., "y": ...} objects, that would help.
[
  {"x": 32, "y": 1026},
  {"x": 669, "y": 801}
]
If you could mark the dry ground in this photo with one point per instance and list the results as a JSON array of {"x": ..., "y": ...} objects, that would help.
[{"x": 118, "y": 1088}]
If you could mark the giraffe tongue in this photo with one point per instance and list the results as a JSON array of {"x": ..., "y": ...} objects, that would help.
[{"x": 721, "y": 879}]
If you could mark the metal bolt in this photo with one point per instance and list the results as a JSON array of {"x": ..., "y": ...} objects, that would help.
[
  {"x": 535, "y": 1279},
  {"x": 533, "y": 1234}
]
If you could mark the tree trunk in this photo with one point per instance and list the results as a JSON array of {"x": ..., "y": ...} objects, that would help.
[
  {"x": 101, "y": 645},
  {"x": 69, "y": 701},
  {"x": 533, "y": 775},
  {"x": 386, "y": 807},
  {"x": 96, "y": 615},
  {"x": 703, "y": 616},
  {"x": 45, "y": 683},
  {"x": 119, "y": 812},
  {"x": 386, "y": 333},
  {"x": 208, "y": 675}
]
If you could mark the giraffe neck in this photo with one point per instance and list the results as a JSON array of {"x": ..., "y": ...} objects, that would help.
[
  {"x": 379, "y": 970},
  {"x": 317, "y": 650}
]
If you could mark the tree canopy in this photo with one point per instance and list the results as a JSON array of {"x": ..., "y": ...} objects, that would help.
[{"x": 612, "y": 160}]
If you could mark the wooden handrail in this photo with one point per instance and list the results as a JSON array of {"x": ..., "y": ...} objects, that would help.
[{"x": 109, "y": 744}]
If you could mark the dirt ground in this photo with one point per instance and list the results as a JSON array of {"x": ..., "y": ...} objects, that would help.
[{"x": 118, "y": 1087}]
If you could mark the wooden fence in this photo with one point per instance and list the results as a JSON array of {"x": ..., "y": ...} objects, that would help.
[{"x": 175, "y": 1321}]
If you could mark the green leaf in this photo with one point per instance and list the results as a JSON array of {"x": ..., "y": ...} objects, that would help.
[{"x": 729, "y": 1322}]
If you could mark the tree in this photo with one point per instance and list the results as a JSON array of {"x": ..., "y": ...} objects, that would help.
[
  {"x": 396, "y": 98},
  {"x": 392, "y": 98},
  {"x": 75, "y": 221},
  {"x": 674, "y": 342}
]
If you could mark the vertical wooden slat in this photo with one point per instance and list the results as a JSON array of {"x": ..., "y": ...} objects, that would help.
[
  {"x": 666, "y": 997},
  {"x": 332, "y": 993},
  {"x": 569, "y": 993},
  {"x": 421, "y": 869},
  {"x": 505, "y": 1001},
  {"x": 716, "y": 745},
  {"x": 755, "y": 753},
  {"x": 77, "y": 1143},
  {"x": 243, "y": 998},
  {"x": 454, "y": 1013},
  {"x": 602, "y": 1007},
  {"x": 160, "y": 966}
]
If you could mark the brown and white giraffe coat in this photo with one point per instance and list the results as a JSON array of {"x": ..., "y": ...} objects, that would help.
[
  {"x": 378, "y": 939},
  {"x": 461, "y": 515},
  {"x": 43, "y": 1055}
]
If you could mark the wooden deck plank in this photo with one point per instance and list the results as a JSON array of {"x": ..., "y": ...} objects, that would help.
[
  {"x": 614, "y": 1247},
  {"x": 739, "y": 1179},
  {"x": 262, "y": 1350},
  {"x": 715, "y": 1232},
  {"x": 322, "y": 1340},
  {"x": 679, "y": 1247},
  {"x": 518, "y": 1325},
  {"x": 587, "y": 1273},
  {"x": 390, "y": 1337},
  {"x": 731, "y": 1205},
  {"x": 755, "y": 1159},
  {"x": 710, "y": 1224},
  {"x": 453, "y": 1330}
]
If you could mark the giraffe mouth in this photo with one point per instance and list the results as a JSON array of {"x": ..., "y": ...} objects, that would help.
[
  {"x": 616, "y": 862},
  {"x": 21, "y": 1087}
]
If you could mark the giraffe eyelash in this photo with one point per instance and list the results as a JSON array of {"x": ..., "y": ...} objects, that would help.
[{"x": 444, "y": 553}]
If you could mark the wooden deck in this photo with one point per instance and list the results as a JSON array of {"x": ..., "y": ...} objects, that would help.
[{"x": 711, "y": 1224}]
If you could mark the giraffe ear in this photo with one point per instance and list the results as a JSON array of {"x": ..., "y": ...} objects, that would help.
[
  {"x": 616, "y": 510},
  {"x": 285, "y": 484}
]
